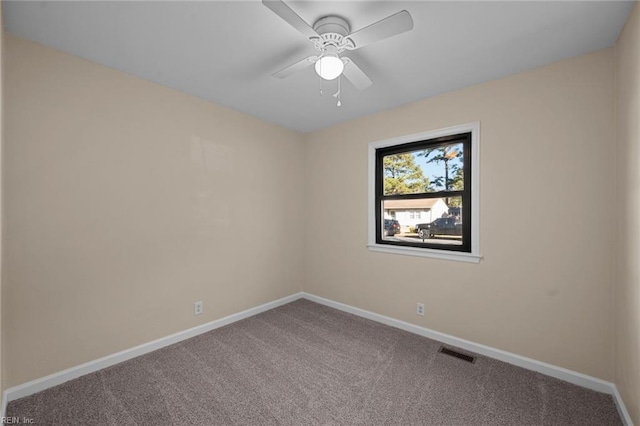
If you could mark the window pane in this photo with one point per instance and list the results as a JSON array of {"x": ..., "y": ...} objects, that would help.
[
  {"x": 403, "y": 174},
  {"x": 439, "y": 168},
  {"x": 423, "y": 221}
]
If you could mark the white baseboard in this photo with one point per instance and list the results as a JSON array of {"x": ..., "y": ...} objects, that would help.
[
  {"x": 622, "y": 409},
  {"x": 570, "y": 376},
  {"x": 60, "y": 377}
]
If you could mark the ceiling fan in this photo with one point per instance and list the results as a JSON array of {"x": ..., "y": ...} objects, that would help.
[{"x": 331, "y": 36}]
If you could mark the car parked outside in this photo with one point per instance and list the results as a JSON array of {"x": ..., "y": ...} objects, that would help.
[
  {"x": 391, "y": 227},
  {"x": 441, "y": 226}
]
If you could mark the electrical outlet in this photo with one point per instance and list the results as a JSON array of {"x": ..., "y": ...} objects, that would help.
[
  {"x": 420, "y": 309},
  {"x": 198, "y": 308}
]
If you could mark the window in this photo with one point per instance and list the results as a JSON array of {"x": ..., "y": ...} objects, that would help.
[{"x": 433, "y": 172}]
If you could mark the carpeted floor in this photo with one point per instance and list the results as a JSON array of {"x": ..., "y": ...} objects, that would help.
[{"x": 307, "y": 364}]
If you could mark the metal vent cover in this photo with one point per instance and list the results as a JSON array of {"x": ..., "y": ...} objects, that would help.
[{"x": 456, "y": 354}]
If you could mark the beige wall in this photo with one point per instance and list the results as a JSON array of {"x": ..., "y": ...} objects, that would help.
[
  {"x": 128, "y": 203},
  {"x": 627, "y": 294},
  {"x": 543, "y": 289}
]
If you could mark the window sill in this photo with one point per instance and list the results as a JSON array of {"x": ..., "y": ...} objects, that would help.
[{"x": 421, "y": 252}]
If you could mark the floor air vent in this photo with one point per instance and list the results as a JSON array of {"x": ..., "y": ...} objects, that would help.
[{"x": 457, "y": 354}]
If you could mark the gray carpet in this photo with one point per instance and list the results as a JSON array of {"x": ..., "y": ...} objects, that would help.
[{"x": 307, "y": 364}]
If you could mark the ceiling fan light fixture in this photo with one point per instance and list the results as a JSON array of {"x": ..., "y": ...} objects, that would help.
[{"x": 329, "y": 67}]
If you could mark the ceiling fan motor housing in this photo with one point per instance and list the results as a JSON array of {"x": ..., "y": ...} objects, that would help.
[{"x": 332, "y": 30}]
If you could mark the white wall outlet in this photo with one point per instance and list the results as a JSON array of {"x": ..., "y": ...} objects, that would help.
[
  {"x": 420, "y": 309},
  {"x": 198, "y": 308}
]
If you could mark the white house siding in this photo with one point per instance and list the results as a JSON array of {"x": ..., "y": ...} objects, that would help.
[{"x": 402, "y": 212}]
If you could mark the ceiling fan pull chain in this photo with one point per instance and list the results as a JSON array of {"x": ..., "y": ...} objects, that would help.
[
  {"x": 320, "y": 79},
  {"x": 337, "y": 94}
]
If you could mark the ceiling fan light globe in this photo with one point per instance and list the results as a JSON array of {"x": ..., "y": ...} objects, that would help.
[{"x": 329, "y": 67}]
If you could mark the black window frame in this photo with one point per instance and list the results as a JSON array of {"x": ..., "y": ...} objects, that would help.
[{"x": 464, "y": 138}]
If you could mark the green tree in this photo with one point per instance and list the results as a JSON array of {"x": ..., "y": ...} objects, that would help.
[
  {"x": 452, "y": 178},
  {"x": 457, "y": 181},
  {"x": 457, "y": 184},
  {"x": 402, "y": 175}
]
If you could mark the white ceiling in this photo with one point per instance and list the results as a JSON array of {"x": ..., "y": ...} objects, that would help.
[{"x": 225, "y": 52}]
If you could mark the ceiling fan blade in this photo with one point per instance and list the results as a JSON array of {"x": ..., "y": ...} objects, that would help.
[
  {"x": 355, "y": 75},
  {"x": 291, "y": 69},
  {"x": 281, "y": 9},
  {"x": 388, "y": 27}
]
